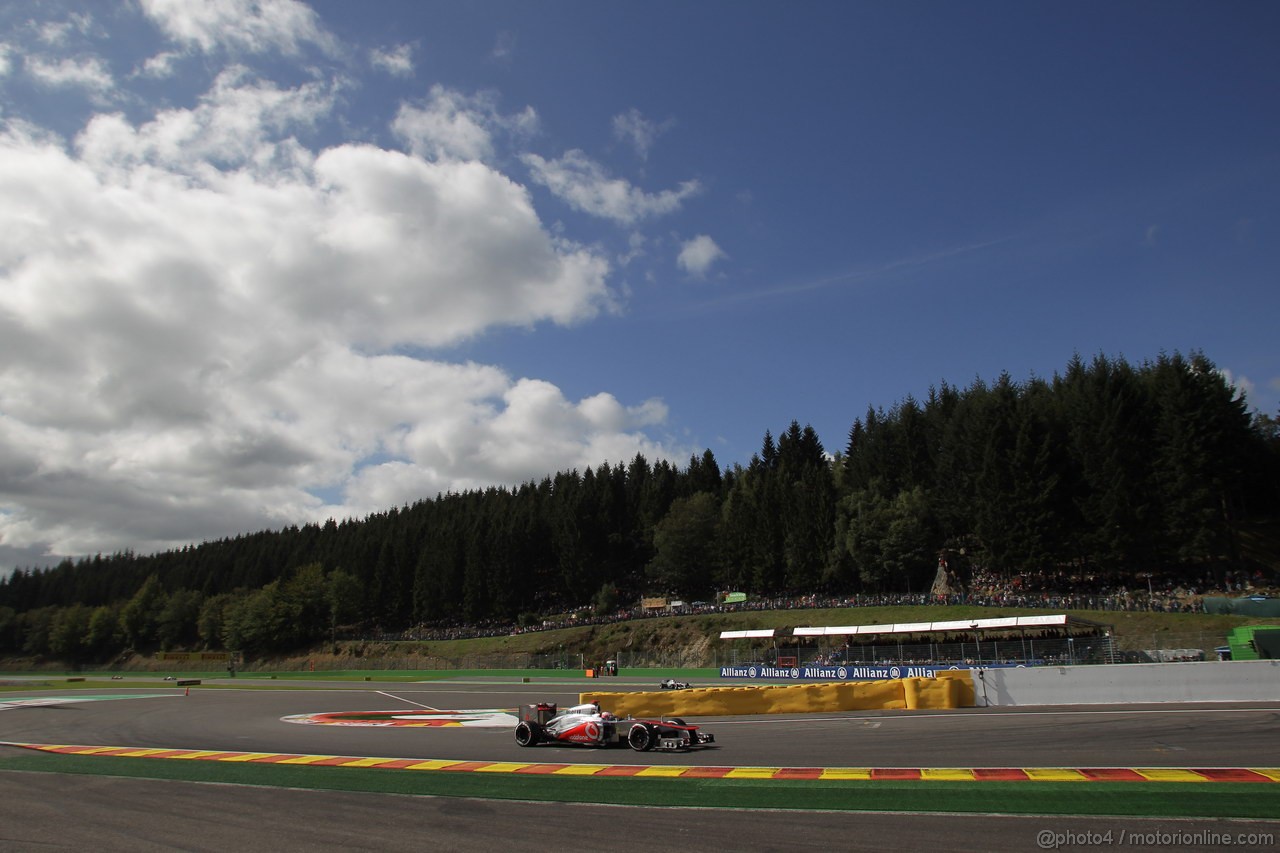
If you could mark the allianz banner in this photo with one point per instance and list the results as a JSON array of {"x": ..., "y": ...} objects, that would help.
[{"x": 851, "y": 672}]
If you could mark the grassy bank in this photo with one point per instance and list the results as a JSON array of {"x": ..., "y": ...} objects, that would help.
[
  {"x": 670, "y": 642},
  {"x": 694, "y": 640}
]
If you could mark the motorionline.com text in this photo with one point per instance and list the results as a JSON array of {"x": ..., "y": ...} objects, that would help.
[{"x": 1048, "y": 839}]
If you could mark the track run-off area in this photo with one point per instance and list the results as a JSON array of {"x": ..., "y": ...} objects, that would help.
[{"x": 978, "y": 778}]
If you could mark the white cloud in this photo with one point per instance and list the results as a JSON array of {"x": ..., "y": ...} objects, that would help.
[
  {"x": 584, "y": 185},
  {"x": 458, "y": 248},
  {"x": 635, "y": 248},
  {"x": 160, "y": 66},
  {"x": 1242, "y": 384},
  {"x": 87, "y": 72},
  {"x": 697, "y": 255},
  {"x": 1260, "y": 396},
  {"x": 636, "y": 130},
  {"x": 199, "y": 321},
  {"x": 57, "y": 33},
  {"x": 251, "y": 26},
  {"x": 526, "y": 430},
  {"x": 396, "y": 61},
  {"x": 451, "y": 125},
  {"x": 6, "y": 62},
  {"x": 240, "y": 122},
  {"x": 504, "y": 46}
]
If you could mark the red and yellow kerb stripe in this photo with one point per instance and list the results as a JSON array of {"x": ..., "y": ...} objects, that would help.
[{"x": 895, "y": 774}]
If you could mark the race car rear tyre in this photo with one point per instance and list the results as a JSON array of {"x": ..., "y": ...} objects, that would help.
[
  {"x": 528, "y": 733},
  {"x": 641, "y": 738}
]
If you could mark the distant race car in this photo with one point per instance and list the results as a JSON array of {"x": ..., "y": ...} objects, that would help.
[
  {"x": 587, "y": 725},
  {"x": 672, "y": 684}
]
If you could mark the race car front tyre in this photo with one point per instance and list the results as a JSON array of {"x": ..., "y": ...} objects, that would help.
[
  {"x": 676, "y": 721},
  {"x": 641, "y": 738},
  {"x": 528, "y": 733}
]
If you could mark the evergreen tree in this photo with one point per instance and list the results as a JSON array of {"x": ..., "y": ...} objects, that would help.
[
  {"x": 995, "y": 483},
  {"x": 1201, "y": 438},
  {"x": 703, "y": 474},
  {"x": 1111, "y": 435},
  {"x": 890, "y": 541},
  {"x": 177, "y": 622},
  {"x": 686, "y": 547},
  {"x": 140, "y": 615},
  {"x": 211, "y": 622},
  {"x": 807, "y": 510},
  {"x": 67, "y": 632},
  {"x": 103, "y": 636},
  {"x": 737, "y": 521}
]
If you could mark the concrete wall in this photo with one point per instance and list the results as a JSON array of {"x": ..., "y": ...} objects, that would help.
[{"x": 1208, "y": 681}]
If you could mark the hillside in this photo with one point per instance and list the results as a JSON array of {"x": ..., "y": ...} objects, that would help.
[{"x": 693, "y": 641}]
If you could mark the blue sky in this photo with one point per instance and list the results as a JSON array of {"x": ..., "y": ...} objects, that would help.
[{"x": 265, "y": 263}]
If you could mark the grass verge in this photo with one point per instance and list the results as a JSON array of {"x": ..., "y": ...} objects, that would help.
[{"x": 1237, "y": 800}]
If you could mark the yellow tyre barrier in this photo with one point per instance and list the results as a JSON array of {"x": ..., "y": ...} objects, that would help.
[{"x": 947, "y": 690}]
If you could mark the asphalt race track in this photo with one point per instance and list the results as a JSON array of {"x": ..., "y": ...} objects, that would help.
[
  {"x": 1080, "y": 736},
  {"x": 51, "y": 811}
]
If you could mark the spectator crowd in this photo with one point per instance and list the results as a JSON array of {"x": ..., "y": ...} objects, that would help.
[{"x": 1052, "y": 590}]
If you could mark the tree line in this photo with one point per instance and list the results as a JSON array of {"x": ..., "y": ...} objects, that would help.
[{"x": 1107, "y": 466}]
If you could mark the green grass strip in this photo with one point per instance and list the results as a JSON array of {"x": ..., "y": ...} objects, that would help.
[{"x": 1239, "y": 800}]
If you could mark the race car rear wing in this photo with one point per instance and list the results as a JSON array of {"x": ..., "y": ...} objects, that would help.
[{"x": 541, "y": 713}]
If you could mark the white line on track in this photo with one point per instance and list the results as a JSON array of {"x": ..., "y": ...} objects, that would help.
[
  {"x": 402, "y": 699},
  {"x": 42, "y": 701}
]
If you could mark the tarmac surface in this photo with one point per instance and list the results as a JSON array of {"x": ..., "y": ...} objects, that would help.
[{"x": 48, "y": 811}]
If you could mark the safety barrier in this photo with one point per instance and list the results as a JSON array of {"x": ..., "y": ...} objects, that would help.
[
  {"x": 1210, "y": 681},
  {"x": 948, "y": 690}
]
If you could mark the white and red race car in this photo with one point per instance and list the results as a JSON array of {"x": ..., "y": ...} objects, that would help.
[{"x": 587, "y": 725}]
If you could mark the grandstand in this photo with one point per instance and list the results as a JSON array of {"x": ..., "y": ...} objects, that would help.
[{"x": 1014, "y": 640}]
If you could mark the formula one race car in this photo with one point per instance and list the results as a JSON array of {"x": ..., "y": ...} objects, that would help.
[
  {"x": 672, "y": 684},
  {"x": 587, "y": 725}
]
